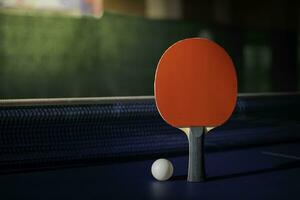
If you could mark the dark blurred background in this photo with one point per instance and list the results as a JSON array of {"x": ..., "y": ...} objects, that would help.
[{"x": 83, "y": 48}]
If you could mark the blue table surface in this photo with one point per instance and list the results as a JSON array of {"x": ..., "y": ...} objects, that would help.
[{"x": 266, "y": 172}]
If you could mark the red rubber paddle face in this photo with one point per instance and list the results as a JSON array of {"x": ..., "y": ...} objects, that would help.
[{"x": 195, "y": 84}]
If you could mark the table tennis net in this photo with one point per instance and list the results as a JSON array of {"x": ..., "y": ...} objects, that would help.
[{"x": 51, "y": 135}]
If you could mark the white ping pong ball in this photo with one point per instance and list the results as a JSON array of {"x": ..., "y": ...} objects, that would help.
[{"x": 162, "y": 169}]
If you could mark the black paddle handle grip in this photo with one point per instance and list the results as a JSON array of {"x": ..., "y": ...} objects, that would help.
[{"x": 196, "y": 169}]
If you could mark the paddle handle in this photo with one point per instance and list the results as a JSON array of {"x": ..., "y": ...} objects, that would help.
[{"x": 196, "y": 170}]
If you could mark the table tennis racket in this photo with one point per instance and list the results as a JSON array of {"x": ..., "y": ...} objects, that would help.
[{"x": 195, "y": 87}]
